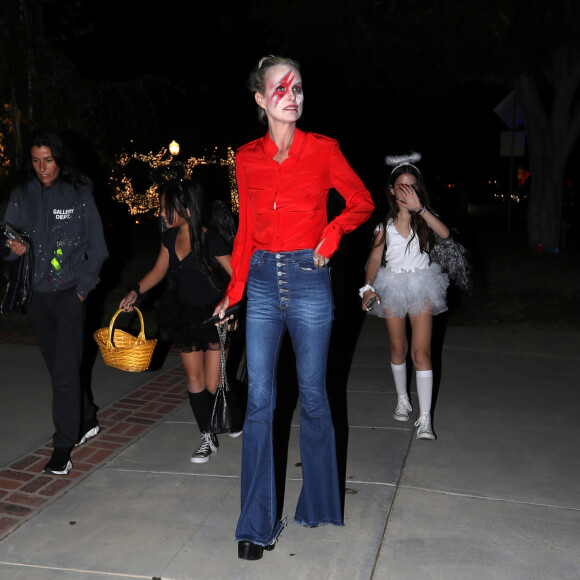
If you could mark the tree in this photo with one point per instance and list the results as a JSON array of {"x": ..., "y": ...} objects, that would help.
[{"x": 552, "y": 130}]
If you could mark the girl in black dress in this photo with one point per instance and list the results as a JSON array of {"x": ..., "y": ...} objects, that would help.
[{"x": 198, "y": 261}]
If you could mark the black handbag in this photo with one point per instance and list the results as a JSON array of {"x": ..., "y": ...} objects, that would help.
[
  {"x": 226, "y": 414},
  {"x": 18, "y": 273}
]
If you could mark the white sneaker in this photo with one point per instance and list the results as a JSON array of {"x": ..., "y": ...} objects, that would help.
[
  {"x": 402, "y": 411},
  {"x": 89, "y": 435},
  {"x": 424, "y": 428},
  {"x": 235, "y": 434}
]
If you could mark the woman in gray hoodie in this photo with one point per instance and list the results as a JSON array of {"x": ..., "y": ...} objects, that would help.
[{"x": 56, "y": 208}]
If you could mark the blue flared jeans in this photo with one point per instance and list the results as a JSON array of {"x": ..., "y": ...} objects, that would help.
[{"x": 287, "y": 292}]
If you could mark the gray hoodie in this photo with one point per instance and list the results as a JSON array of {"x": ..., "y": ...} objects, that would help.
[{"x": 66, "y": 231}]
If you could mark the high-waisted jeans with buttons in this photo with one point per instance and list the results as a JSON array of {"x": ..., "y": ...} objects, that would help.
[{"x": 287, "y": 292}]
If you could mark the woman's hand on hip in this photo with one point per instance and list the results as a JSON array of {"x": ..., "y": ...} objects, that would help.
[{"x": 319, "y": 260}]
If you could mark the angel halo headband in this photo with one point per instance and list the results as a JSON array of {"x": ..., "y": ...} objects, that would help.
[{"x": 396, "y": 161}]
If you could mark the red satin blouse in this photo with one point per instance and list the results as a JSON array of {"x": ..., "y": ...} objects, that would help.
[{"x": 283, "y": 205}]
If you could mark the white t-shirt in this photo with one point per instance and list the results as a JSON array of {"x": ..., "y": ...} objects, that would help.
[{"x": 400, "y": 254}]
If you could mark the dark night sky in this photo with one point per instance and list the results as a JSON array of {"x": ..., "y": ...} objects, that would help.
[{"x": 207, "y": 49}]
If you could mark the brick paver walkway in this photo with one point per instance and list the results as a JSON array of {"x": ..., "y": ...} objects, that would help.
[{"x": 24, "y": 489}]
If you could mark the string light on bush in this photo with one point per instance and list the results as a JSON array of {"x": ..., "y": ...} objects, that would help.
[{"x": 137, "y": 166}]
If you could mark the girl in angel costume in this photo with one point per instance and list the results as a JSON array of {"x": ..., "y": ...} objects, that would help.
[{"x": 402, "y": 280}]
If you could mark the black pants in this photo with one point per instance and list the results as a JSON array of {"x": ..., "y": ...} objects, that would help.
[{"x": 57, "y": 319}]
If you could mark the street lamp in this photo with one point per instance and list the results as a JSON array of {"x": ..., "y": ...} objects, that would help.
[{"x": 174, "y": 148}]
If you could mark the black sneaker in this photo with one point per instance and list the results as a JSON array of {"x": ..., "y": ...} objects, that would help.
[
  {"x": 90, "y": 430},
  {"x": 209, "y": 446},
  {"x": 60, "y": 463}
]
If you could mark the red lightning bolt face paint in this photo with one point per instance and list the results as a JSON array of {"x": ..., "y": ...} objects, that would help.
[{"x": 282, "y": 87}]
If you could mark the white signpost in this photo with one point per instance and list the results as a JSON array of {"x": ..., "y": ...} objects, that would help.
[{"x": 512, "y": 142}]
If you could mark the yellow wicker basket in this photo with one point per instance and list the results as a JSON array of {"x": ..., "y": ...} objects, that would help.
[{"x": 123, "y": 350}]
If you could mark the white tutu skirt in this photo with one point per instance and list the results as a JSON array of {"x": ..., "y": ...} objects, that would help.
[{"x": 410, "y": 292}]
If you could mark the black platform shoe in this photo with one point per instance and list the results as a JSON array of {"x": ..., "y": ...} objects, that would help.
[{"x": 250, "y": 551}]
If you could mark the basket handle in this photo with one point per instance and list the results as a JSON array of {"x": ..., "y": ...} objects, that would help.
[{"x": 140, "y": 337}]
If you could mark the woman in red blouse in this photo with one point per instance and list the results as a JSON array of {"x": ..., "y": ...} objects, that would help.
[{"x": 281, "y": 258}]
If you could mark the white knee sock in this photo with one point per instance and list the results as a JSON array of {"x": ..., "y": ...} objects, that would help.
[
  {"x": 424, "y": 390},
  {"x": 400, "y": 376}
]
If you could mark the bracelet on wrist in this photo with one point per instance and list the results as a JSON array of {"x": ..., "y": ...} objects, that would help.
[
  {"x": 421, "y": 210},
  {"x": 364, "y": 289},
  {"x": 136, "y": 288}
]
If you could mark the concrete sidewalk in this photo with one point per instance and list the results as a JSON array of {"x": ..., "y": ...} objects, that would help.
[{"x": 496, "y": 496}]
